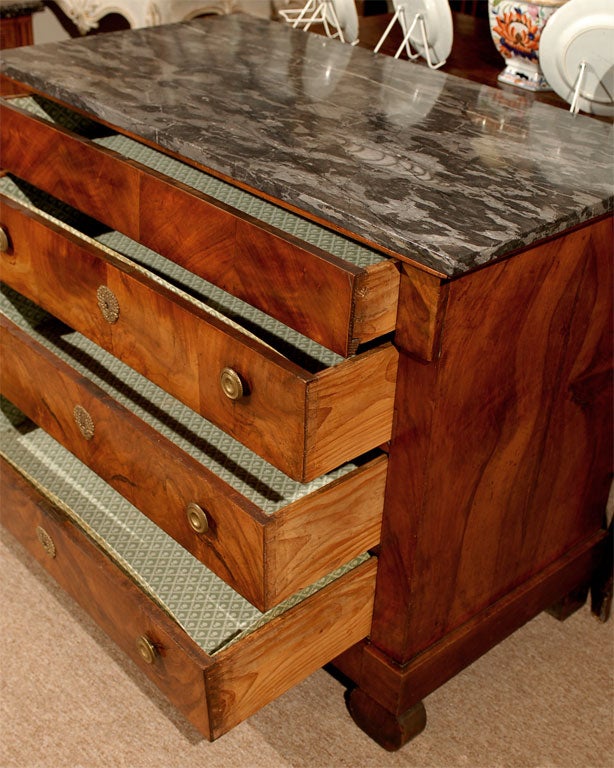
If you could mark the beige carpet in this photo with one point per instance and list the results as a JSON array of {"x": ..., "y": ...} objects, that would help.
[{"x": 544, "y": 698}]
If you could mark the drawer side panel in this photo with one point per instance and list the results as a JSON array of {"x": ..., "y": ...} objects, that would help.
[
  {"x": 264, "y": 665},
  {"x": 351, "y": 408}
]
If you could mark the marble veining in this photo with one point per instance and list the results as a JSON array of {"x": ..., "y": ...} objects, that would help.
[{"x": 443, "y": 171}]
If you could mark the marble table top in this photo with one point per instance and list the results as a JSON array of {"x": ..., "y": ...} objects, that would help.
[{"x": 442, "y": 171}]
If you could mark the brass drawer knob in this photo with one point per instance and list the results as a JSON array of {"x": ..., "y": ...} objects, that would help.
[
  {"x": 231, "y": 384},
  {"x": 46, "y": 541},
  {"x": 5, "y": 243},
  {"x": 146, "y": 649},
  {"x": 84, "y": 422},
  {"x": 108, "y": 304},
  {"x": 197, "y": 518}
]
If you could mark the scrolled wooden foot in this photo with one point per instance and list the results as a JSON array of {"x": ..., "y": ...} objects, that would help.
[
  {"x": 390, "y": 731},
  {"x": 569, "y": 604},
  {"x": 602, "y": 585}
]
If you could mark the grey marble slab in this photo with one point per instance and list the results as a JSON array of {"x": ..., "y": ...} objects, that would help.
[{"x": 444, "y": 171}]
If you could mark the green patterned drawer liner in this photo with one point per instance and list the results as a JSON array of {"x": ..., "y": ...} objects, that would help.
[
  {"x": 211, "y": 613},
  {"x": 277, "y": 217},
  {"x": 245, "y": 471},
  {"x": 208, "y": 297}
]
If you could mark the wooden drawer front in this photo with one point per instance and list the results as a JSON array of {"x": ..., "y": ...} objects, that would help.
[
  {"x": 328, "y": 299},
  {"x": 214, "y": 690},
  {"x": 267, "y": 543},
  {"x": 304, "y": 423}
]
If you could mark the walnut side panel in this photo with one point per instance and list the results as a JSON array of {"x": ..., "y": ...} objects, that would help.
[
  {"x": 264, "y": 665},
  {"x": 108, "y": 596},
  {"x": 397, "y": 688},
  {"x": 503, "y": 449}
]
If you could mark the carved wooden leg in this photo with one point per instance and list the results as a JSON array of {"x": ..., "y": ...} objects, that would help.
[
  {"x": 569, "y": 604},
  {"x": 390, "y": 731}
]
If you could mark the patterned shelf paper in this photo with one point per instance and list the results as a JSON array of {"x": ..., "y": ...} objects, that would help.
[
  {"x": 202, "y": 294},
  {"x": 288, "y": 222},
  {"x": 244, "y": 470},
  {"x": 208, "y": 610}
]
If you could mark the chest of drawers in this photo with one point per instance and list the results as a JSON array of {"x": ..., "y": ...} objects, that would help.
[{"x": 301, "y": 375}]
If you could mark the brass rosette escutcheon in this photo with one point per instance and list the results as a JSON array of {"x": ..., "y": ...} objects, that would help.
[
  {"x": 108, "y": 304},
  {"x": 46, "y": 541},
  {"x": 84, "y": 422}
]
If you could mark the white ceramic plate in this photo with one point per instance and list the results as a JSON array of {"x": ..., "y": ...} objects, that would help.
[
  {"x": 348, "y": 18},
  {"x": 438, "y": 20},
  {"x": 319, "y": 81},
  {"x": 581, "y": 30},
  {"x": 403, "y": 100}
]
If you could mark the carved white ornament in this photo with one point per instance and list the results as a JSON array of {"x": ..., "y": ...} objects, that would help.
[{"x": 86, "y": 14}]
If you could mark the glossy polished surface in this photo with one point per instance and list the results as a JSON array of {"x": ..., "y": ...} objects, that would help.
[{"x": 440, "y": 170}]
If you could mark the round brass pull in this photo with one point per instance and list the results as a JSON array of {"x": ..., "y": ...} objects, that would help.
[
  {"x": 84, "y": 422},
  {"x": 5, "y": 243},
  {"x": 108, "y": 304},
  {"x": 231, "y": 384},
  {"x": 197, "y": 518},
  {"x": 146, "y": 649},
  {"x": 46, "y": 541}
]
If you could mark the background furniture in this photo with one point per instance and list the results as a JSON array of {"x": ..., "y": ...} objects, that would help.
[
  {"x": 140, "y": 13},
  {"x": 16, "y": 22}
]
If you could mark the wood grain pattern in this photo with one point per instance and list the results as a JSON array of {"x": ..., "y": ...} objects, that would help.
[
  {"x": 301, "y": 285},
  {"x": 265, "y": 664},
  {"x": 376, "y": 303},
  {"x": 350, "y": 408},
  {"x": 16, "y": 31},
  {"x": 73, "y": 171},
  {"x": 342, "y": 519},
  {"x": 266, "y": 558},
  {"x": 499, "y": 465},
  {"x": 305, "y": 424},
  {"x": 108, "y": 596},
  {"x": 422, "y": 306},
  {"x": 9, "y": 87},
  {"x": 398, "y": 688},
  {"x": 147, "y": 469}
]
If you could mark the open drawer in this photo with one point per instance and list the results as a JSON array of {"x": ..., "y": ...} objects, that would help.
[
  {"x": 263, "y": 533},
  {"x": 330, "y": 289},
  {"x": 303, "y": 408},
  {"x": 211, "y": 653}
]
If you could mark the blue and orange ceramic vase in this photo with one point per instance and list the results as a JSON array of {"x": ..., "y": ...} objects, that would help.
[{"x": 516, "y": 28}]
